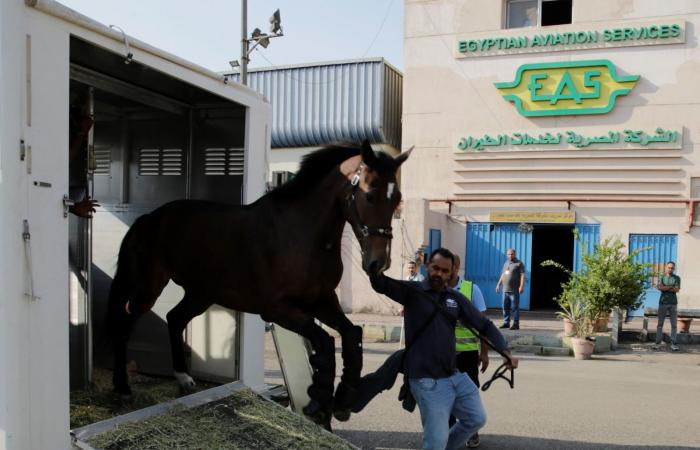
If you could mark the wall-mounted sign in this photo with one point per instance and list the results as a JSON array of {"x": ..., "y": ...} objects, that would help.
[
  {"x": 533, "y": 216},
  {"x": 571, "y": 37},
  {"x": 569, "y": 139},
  {"x": 566, "y": 88}
]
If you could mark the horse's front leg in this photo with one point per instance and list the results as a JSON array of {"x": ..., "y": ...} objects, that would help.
[
  {"x": 330, "y": 313},
  {"x": 322, "y": 360}
]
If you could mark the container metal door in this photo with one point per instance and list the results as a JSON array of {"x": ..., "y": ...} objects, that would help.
[
  {"x": 588, "y": 236},
  {"x": 487, "y": 244},
  {"x": 661, "y": 248},
  {"x": 434, "y": 242}
]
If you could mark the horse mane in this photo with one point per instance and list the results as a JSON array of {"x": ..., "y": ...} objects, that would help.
[{"x": 316, "y": 165}]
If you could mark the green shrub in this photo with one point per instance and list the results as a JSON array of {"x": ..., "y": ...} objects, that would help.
[{"x": 609, "y": 279}]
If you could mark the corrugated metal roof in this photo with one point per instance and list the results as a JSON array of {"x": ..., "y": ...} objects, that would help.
[{"x": 315, "y": 104}]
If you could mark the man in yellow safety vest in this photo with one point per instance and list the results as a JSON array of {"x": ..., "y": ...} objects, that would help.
[{"x": 470, "y": 351}]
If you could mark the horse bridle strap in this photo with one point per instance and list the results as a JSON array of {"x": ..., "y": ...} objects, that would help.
[{"x": 361, "y": 230}]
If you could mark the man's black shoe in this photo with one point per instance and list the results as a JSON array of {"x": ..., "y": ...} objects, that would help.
[
  {"x": 515, "y": 327},
  {"x": 505, "y": 325}
]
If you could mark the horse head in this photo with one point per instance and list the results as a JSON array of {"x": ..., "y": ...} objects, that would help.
[{"x": 370, "y": 203}]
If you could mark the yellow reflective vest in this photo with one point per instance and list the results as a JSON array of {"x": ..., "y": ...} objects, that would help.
[{"x": 466, "y": 340}]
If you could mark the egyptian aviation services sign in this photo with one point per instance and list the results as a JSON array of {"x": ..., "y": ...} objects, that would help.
[{"x": 566, "y": 88}]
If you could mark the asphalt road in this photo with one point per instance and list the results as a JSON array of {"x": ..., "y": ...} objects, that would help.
[{"x": 625, "y": 400}]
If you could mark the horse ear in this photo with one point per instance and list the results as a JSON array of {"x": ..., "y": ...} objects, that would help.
[
  {"x": 403, "y": 156},
  {"x": 368, "y": 156}
]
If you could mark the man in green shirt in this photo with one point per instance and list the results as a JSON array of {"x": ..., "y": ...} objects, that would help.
[{"x": 669, "y": 284}]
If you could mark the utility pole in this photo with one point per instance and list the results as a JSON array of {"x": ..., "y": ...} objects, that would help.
[
  {"x": 244, "y": 42},
  {"x": 258, "y": 38}
]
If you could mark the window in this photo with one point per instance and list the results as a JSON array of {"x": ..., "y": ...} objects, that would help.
[{"x": 531, "y": 13}]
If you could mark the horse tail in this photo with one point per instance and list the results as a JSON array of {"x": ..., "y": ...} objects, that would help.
[{"x": 120, "y": 292}]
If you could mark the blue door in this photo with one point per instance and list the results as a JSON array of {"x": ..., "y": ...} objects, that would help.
[
  {"x": 487, "y": 244},
  {"x": 661, "y": 249},
  {"x": 434, "y": 242},
  {"x": 588, "y": 238}
]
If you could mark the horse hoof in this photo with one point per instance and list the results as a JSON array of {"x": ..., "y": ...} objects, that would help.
[
  {"x": 342, "y": 415},
  {"x": 185, "y": 382},
  {"x": 345, "y": 396},
  {"x": 315, "y": 412}
]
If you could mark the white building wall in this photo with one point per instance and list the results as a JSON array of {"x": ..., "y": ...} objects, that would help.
[{"x": 446, "y": 97}]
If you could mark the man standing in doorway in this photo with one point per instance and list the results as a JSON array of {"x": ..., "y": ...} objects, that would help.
[
  {"x": 471, "y": 352},
  {"x": 669, "y": 284},
  {"x": 513, "y": 280}
]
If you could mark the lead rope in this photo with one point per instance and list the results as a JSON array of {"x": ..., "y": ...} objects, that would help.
[{"x": 501, "y": 370}]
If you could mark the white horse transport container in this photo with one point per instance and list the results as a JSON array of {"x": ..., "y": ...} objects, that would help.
[{"x": 163, "y": 129}]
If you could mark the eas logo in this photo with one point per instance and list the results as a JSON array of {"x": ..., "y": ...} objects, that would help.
[{"x": 567, "y": 88}]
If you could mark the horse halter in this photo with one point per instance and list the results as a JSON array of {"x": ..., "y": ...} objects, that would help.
[{"x": 362, "y": 231}]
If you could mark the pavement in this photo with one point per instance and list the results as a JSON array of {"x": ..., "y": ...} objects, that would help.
[
  {"x": 624, "y": 399},
  {"x": 540, "y": 333}
]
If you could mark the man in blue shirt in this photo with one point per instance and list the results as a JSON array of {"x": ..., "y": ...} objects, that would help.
[
  {"x": 438, "y": 387},
  {"x": 413, "y": 273}
]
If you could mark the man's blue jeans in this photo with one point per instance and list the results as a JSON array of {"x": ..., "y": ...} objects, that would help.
[
  {"x": 511, "y": 305},
  {"x": 437, "y": 398}
]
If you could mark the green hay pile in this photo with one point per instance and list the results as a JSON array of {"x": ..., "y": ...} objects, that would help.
[
  {"x": 241, "y": 421},
  {"x": 99, "y": 402}
]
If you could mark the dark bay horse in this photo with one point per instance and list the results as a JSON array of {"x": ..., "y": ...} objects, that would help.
[{"x": 278, "y": 257}]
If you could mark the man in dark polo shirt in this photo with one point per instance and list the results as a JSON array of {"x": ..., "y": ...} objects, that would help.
[
  {"x": 513, "y": 281},
  {"x": 437, "y": 386},
  {"x": 669, "y": 284}
]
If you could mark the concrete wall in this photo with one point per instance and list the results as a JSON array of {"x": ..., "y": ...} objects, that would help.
[{"x": 446, "y": 96}]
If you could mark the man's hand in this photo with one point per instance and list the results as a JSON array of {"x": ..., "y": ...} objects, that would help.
[
  {"x": 521, "y": 289},
  {"x": 84, "y": 208},
  {"x": 498, "y": 288},
  {"x": 513, "y": 361},
  {"x": 484, "y": 360}
]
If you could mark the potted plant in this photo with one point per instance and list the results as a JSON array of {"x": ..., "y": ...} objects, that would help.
[
  {"x": 684, "y": 324},
  {"x": 577, "y": 314},
  {"x": 609, "y": 279}
]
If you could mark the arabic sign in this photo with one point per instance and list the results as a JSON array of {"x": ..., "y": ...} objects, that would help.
[
  {"x": 571, "y": 37},
  {"x": 566, "y": 88},
  {"x": 533, "y": 216},
  {"x": 660, "y": 138}
]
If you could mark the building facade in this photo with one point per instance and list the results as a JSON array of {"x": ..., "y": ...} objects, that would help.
[{"x": 536, "y": 118}]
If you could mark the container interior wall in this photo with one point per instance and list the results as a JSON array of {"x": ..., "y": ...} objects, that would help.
[{"x": 155, "y": 139}]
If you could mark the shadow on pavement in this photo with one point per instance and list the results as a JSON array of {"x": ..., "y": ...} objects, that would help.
[{"x": 379, "y": 440}]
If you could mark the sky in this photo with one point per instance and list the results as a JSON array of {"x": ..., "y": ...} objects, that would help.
[{"x": 207, "y": 32}]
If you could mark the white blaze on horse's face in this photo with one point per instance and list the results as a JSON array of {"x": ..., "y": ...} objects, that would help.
[{"x": 390, "y": 190}]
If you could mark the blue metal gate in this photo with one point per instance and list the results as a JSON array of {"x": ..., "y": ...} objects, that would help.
[
  {"x": 487, "y": 244},
  {"x": 434, "y": 242},
  {"x": 588, "y": 236},
  {"x": 661, "y": 249}
]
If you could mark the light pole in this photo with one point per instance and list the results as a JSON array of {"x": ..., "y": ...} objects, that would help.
[
  {"x": 244, "y": 42},
  {"x": 257, "y": 36}
]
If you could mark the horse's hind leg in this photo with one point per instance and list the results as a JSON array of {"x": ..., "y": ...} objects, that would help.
[
  {"x": 322, "y": 360},
  {"x": 178, "y": 318},
  {"x": 330, "y": 313}
]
